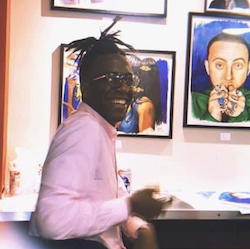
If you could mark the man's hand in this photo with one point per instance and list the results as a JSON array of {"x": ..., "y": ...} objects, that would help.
[
  {"x": 146, "y": 238},
  {"x": 217, "y": 104},
  {"x": 143, "y": 204},
  {"x": 236, "y": 103},
  {"x": 231, "y": 102}
]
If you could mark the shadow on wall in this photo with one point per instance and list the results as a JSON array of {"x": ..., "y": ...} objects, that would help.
[
  {"x": 55, "y": 91},
  {"x": 152, "y": 146},
  {"x": 213, "y": 135}
]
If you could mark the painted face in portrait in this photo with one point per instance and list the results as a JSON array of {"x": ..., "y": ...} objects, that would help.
[
  {"x": 109, "y": 91},
  {"x": 228, "y": 64}
]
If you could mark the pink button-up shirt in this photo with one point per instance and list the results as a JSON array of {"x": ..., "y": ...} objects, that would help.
[{"x": 80, "y": 188}]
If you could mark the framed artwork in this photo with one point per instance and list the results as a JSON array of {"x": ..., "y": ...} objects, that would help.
[
  {"x": 217, "y": 87},
  {"x": 151, "y": 111},
  {"x": 149, "y": 8},
  {"x": 228, "y": 6}
]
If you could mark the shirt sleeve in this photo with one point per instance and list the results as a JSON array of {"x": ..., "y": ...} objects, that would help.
[
  {"x": 131, "y": 226},
  {"x": 64, "y": 210},
  {"x": 133, "y": 223}
]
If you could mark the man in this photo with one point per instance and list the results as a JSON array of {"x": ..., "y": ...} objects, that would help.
[
  {"x": 82, "y": 202},
  {"x": 228, "y": 66}
]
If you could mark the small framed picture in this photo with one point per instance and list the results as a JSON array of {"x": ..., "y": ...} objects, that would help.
[
  {"x": 151, "y": 111},
  {"x": 228, "y": 6},
  {"x": 217, "y": 92},
  {"x": 149, "y": 8}
]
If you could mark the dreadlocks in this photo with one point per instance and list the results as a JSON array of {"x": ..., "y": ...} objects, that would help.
[{"x": 89, "y": 48}]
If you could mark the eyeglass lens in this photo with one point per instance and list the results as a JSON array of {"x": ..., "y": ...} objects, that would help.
[{"x": 115, "y": 79}]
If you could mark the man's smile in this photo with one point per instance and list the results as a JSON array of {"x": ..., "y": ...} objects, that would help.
[{"x": 119, "y": 101}]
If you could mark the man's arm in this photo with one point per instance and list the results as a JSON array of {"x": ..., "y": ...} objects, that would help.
[
  {"x": 66, "y": 208},
  {"x": 137, "y": 229}
]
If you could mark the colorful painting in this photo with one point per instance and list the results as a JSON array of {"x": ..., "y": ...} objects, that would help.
[
  {"x": 217, "y": 81},
  {"x": 150, "y": 113}
]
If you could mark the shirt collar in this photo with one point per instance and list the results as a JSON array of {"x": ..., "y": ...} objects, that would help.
[{"x": 110, "y": 130}]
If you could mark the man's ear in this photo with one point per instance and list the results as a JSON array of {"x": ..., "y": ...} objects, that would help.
[{"x": 206, "y": 66}]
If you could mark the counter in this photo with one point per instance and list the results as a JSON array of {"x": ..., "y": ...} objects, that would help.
[{"x": 182, "y": 206}]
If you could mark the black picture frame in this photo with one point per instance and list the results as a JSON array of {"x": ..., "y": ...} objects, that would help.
[
  {"x": 202, "y": 27},
  {"x": 143, "y": 8},
  {"x": 159, "y": 91}
]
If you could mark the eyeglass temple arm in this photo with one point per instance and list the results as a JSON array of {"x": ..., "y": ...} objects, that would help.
[{"x": 99, "y": 77}]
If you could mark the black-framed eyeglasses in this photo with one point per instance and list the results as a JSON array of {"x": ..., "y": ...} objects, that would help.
[{"x": 116, "y": 79}]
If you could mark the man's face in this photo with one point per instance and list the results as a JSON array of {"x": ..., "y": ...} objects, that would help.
[
  {"x": 110, "y": 102},
  {"x": 227, "y": 64}
]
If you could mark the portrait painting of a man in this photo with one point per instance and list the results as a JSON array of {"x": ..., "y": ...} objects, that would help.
[{"x": 218, "y": 86}]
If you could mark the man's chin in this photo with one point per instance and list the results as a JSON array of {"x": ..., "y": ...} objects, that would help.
[
  {"x": 117, "y": 118},
  {"x": 117, "y": 114}
]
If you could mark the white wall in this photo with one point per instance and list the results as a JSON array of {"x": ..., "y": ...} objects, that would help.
[{"x": 194, "y": 158}]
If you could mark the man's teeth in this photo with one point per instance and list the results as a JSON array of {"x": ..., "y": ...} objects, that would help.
[{"x": 119, "y": 101}]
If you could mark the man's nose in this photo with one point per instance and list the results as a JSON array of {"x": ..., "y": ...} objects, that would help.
[
  {"x": 124, "y": 86},
  {"x": 229, "y": 73}
]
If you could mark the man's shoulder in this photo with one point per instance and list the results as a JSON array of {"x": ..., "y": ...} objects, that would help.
[
  {"x": 81, "y": 118},
  {"x": 79, "y": 122}
]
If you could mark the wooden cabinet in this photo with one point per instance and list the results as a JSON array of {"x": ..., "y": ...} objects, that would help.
[{"x": 203, "y": 234}]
